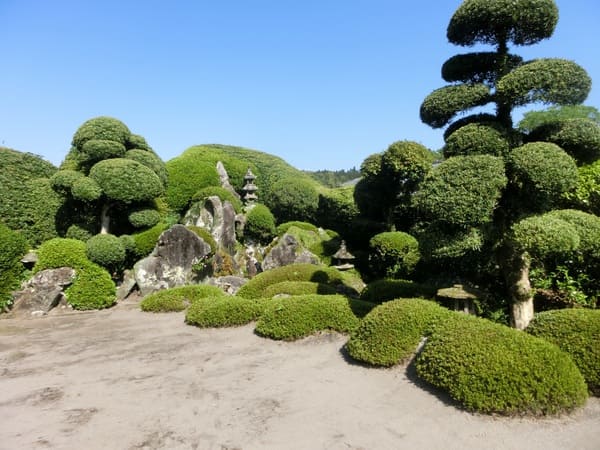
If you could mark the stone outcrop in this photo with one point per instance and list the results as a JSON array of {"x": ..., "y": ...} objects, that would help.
[
  {"x": 175, "y": 261},
  {"x": 42, "y": 292},
  {"x": 217, "y": 217},
  {"x": 224, "y": 177},
  {"x": 229, "y": 284},
  {"x": 287, "y": 251}
]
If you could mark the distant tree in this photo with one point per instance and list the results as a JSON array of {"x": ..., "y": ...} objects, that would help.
[
  {"x": 335, "y": 178},
  {"x": 533, "y": 119},
  {"x": 109, "y": 174},
  {"x": 492, "y": 190}
]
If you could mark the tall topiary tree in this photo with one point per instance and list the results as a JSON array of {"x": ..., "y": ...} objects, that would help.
[
  {"x": 108, "y": 174},
  {"x": 516, "y": 181}
]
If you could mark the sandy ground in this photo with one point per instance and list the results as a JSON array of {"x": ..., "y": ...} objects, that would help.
[{"x": 123, "y": 379}]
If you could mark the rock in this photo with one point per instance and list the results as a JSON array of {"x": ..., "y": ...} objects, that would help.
[
  {"x": 230, "y": 284},
  {"x": 217, "y": 217},
  {"x": 126, "y": 285},
  {"x": 224, "y": 177},
  {"x": 172, "y": 261},
  {"x": 30, "y": 259},
  {"x": 42, "y": 292},
  {"x": 288, "y": 251}
]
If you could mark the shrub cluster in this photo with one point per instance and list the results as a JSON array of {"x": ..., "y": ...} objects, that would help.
[
  {"x": 380, "y": 291},
  {"x": 178, "y": 298},
  {"x": 576, "y": 332},
  {"x": 12, "y": 247},
  {"x": 223, "y": 311},
  {"x": 491, "y": 368}
]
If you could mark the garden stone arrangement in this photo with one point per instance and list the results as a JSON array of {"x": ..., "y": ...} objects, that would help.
[{"x": 503, "y": 221}]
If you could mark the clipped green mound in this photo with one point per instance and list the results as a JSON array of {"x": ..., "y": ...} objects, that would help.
[
  {"x": 255, "y": 288},
  {"x": 223, "y": 311},
  {"x": 298, "y": 288},
  {"x": 178, "y": 298},
  {"x": 576, "y": 332},
  {"x": 491, "y": 368},
  {"x": 300, "y": 316},
  {"x": 391, "y": 332},
  {"x": 12, "y": 248},
  {"x": 380, "y": 291}
]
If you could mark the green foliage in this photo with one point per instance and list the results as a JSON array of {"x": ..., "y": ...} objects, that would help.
[
  {"x": 444, "y": 103},
  {"x": 534, "y": 119},
  {"x": 380, "y": 291},
  {"x": 143, "y": 217},
  {"x": 523, "y": 22},
  {"x": 104, "y": 128},
  {"x": 542, "y": 172},
  {"x": 576, "y": 332},
  {"x": 294, "y": 199},
  {"x": 145, "y": 241},
  {"x": 284, "y": 227},
  {"x": 491, "y": 368},
  {"x": 334, "y": 178},
  {"x": 298, "y": 288},
  {"x": 106, "y": 250},
  {"x": 587, "y": 227},
  {"x": 337, "y": 210},
  {"x": 587, "y": 194},
  {"x": 301, "y": 316},
  {"x": 63, "y": 180},
  {"x": 178, "y": 298},
  {"x": 477, "y": 139},
  {"x": 544, "y": 236},
  {"x": 463, "y": 190},
  {"x": 149, "y": 159},
  {"x": 93, "y": 288},
  {"x": 40, "y": 212},
  {"x": 222, "y": 193},
  {"x": 481, "y": 118},
  {"x": 206, "y": 237},
  {"x": 61, "y": 252},
  {"x": 255, "y": 287},
  {"x": 86, "y": 189},
  {"x": 12, "y": 248},
  {"x": 99, "y": 149},
  {"x": 478, "y": 67},
  {"x": 260, "y": 224},
  {"x": 393, "y": 254},
  {"x": 80, "y": 232},
  {"x": 223, "y": 311},
  {"x": 126, "y": 180},
  {"x": 437, "y": 241},
  {"x": 547, "y": 80},
  {"x": 391, "y": 332}
]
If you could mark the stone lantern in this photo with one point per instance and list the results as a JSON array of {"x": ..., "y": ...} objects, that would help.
[
  {"x": 343, "y": 258},
  {"x": 460, "y": 298},
  {"x": 249, "y": 188}
]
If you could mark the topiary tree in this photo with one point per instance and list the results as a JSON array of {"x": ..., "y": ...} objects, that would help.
[
  {"x": 260, "y": 224},
  {"x": 110, "y": 173},
  {"x": 490, "y": 180},
  {"x": 393, "y": 254},
  {"x": 294, "y": 199}
]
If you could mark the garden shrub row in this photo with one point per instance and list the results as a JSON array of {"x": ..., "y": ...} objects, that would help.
[
  {"x": 223, "y": 311},
  {"x": 12, "y": 248}
]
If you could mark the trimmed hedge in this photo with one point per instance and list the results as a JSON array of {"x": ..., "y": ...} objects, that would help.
[
  {"x": 300, "y": 316},
  {"x": 61, "y": 252},
  {"x": 178, "y": 298},
  {"x": 380, "y": 291},
  {"x": 491, "y": 368},
  {"x": 105, "y": 250},
  {"x": 12, "y": 247},
  {"x": 306, "y": 226},
  {"x": 576, "y": 332},
  {"x": 144, "y": 217},
  {"x": 298, "y": 288},
  {"x": 391, "y": 332},
  {"x": 223, "y": 311},
  {"x": 393, "y": 254},
  {"x": 260, "y": 224}
]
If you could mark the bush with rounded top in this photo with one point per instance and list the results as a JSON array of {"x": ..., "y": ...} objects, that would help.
[
  {"x": 98, "y": 149},
  {"x": 93, "y": 288},
  {"x": 576, "y": 332},
  {"x": 63, "y": 180},
  {"x": 222, "y": 193},
  {"x": 438, "y": 241},
  {"x": 300, "y": 316},
  {"x": 260, "y": 224},
  {"x": 86, "y": 189},
  {"x": 477, "y": 139},
  {"x": 178, "y": 298},
  {"x": 587, "y": 227},
  {"x": 444, "y": 103},
  {"x": 544, "y": 236},
  {"x": 61, "y": 252},
  {"x": 298, "y": 288},
  {"x": 284, "y": 227},
  {"x": 126, "y": 180},
  {"x": 187, "y": 175},
  {"x": 491, "y": 368},
  {"x": 149, "y": 159},
  {"x": 105, "y": 128},
  {"x": 106, "y": 250},
  {"x": 380, "y": 291},
  {"x": 294, "y": 199},
  {"x": 223, "y": 311},
  {"x": 393, "y": 254},
  {"x": 12, "y": 248},
  {"x": 144, "y": 217},
  {"x": 79, "y": 232},
  {"x": 391, "y": 332}
]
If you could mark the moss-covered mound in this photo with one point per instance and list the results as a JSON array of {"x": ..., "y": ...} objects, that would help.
[
  {"x": 300, "y": 316},
  {"x": 380, "y": 291},
  {"x": 491, "y": 368},
  {"x": 391, "y": 332},
  {"x": 576, "y": 332},
  {"x": 298, "y": 288},
  {"x": 255, "y": 288},
  {"x": 178, "y": 298},
  {"x": 223, "y": 311}
]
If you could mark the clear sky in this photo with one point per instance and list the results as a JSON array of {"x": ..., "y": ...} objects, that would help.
[{"x": 320, "y": 83}]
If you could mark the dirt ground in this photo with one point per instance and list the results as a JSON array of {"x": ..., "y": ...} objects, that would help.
[{"x": 123, "y": 379}]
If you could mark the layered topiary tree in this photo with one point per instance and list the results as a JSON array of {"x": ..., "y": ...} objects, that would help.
[
  {"x": 109, "y": 175},
  {"x": 494, "y": 176}
]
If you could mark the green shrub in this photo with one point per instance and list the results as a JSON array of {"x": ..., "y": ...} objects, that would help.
[
  {"x": 218, "y": 191},
  {"x": 298, "y": 288},
  {"x": 491, "y": 368},
  {"x": 105, "y": 250},
  {"x": 223, "y": 311},
  {"x": 393, "y": 254},
  {"x": 79, "y": 232},
  {"x": 126, "y": 180},
  {"x": 294, "y": 199},
  {"x": 206, "y": 236},
  {"x": 149, "y": 159},
  {"x": 391, "y": 332},
  {"x": 187, "y": 175},
  {"x": 300, "y": 316},
  {"x": 477, "y": 139},
  {"x": 103, "y": 127},
  {"x": 61, "y": 252},
  {"x": 12, "y": 248},
  {"x": 255, "y": 288},
  {"x": 144, "y": 217},
  {"x": 284, "y": 227},
  {"x": 576, "y": 332},
  {"x": 93, "y": 288},
  {"x": 178, "y": 298},
  {"x": 145, "y": 241},
  {"x": 260, "y": 224},
  {"x": 380, "y": 291}
]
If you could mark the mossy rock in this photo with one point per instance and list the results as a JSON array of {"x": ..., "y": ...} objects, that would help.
[{"x": 178, "y": 298}]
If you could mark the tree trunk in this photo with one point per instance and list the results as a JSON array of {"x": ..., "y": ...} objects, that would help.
[
  {"x": 105, "y": 219},
  {"x": 517, "y": 279}
]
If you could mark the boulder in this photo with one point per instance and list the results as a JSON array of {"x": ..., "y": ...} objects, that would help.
[
  {"x": 174, "y": 261},
  {"x": 42, "y": 292},
  {"x": 224, "y": 177},
  {"x": 126, "y": 286},
  {"x": 217, "y": 217},
  {"x": 229, "y": 284},
  {"x": 288, "y": 251}
]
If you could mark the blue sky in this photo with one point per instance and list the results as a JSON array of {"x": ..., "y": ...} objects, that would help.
[{"x": 322, "y": 84}]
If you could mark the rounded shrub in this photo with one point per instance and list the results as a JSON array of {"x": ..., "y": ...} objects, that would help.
[
  {"x": 300, "y": 316},
  {"x": 260, "y": 224},
  {"x": 391, "y": 332},
  {"x": 298, "y": 288},
  {"x": 491, "y": 368},
  {"x": 105, "y": 128},
  {"x": 86, "y": 189},
  {"x": 187, "y": 175},
  {"x": 149, "y": 159},
  {"x": 380, "y": 291},
  {"x": 306, "y": 226},
  {"x": 98, "y": 149},
  {"x": 222, "y": 193},
  {"x": 444, "y": 103},
  {"x": 63, "y": 180},
  {"x": 79, "y": 232},
  {"x": 135, "y": 141},
  {"x": 294, "y": 199},
  {"x": 393, "y": 254},
  {"x": 93, "y": 288},
  {"x": 544, "y": 235},
  {"x": 576, "y": 332},
  {"x": 106, "y": 250},
  {"x": 223, "y": 311},
  {"x": 178, "y": 298},
  {"x": 144, "y": 217},
  {"x": 61, "y": 252},
  {"x": 477, "y": 139},
  {"x": 12, "y": 248}
]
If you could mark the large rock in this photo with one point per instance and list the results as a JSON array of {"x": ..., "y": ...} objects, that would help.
[
  {"x": 288, "y": 251},
  {"x": 224, "y": 177},
  {"x": 173, "y": 262},
  {"x": 217, "y": 217},
  {"x": 42, "y": 292},
  {"x": 229, "y": 284}
]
